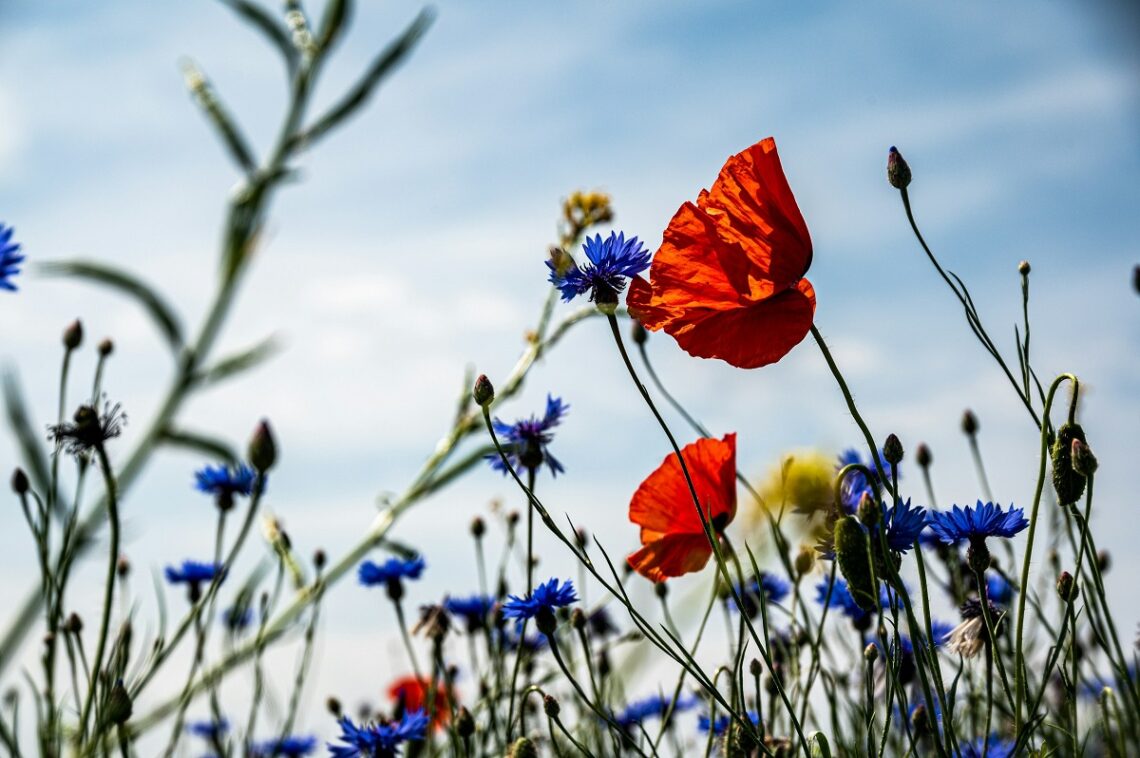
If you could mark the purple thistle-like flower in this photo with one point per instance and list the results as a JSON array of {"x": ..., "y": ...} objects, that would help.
[
  {"x": 371, "y": 574},
  {"x": 194, "y": 572},
  {"x": 284, "y": 747},
  {"x": 546, "y": 597},
  {"x": 525, "y": 441},
  {"x": 611, "y": 262},
  {"x": 378, "y": 740},
  {"x": 978, "y": 522},
  {"x": 10, "y": 258}
]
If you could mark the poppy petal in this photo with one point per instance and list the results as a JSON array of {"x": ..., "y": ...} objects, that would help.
[
  {"x": 753, "y": 336},
  {"x": 663, "y": 505},
  {"x": 670, "y": 556}
]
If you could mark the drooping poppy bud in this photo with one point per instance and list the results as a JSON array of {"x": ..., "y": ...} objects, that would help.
[{"x": 1069, "y": 484}]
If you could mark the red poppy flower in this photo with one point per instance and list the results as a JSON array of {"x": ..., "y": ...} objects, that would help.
[
  {"x": 672, "y": 538},
  {"x": 411, "y": 694},
  {"x": 728, "y": 280}
]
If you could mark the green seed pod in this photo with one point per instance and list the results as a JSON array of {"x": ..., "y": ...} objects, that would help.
[
  {"x": 1066, "y": 481},
  {"x": 119, "y": 706},
  {"x": 522, "y": 748},
  {"x": 852, "y": 549}
]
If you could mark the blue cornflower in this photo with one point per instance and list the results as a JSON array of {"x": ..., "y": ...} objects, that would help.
[
  {"x": 208, "y": 730},
  {"x": 378, "y": 740},
  {"x": 612, "y": 261},
  {"x": 286, "y": 747},
  {"x": 941, "y": 630},
  {"x": 654, "y": 706},
  {"x": 392, "y": 569},
  {"x": 842, "y": 599},
  {"x": 509, "y": 641},
  {"x": 223, "y": 482},
  {"x": 855, "y": 484},
  {"x": 1097, "y": 684},
  {"x": 766, "y": 585},
  {"x": 541, "y": 603},
  {"x": 719, "y": 726},
  {"x": 904, "y": 524},
  {"x": 525, "y": 441},
  {"x": 976, "y": 523},
  {"x": 193, "y": 572},
  {"x": 474, "y": 610},
  {"x": 10, "y": 258},
  {"x": 237, "y": 617},
  {"x": 992, "y": 747},
  {"x": 998, "y": 589}
]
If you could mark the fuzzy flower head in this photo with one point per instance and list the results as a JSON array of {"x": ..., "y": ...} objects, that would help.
[
  {"x": 224, "y": 482},
  {"x": 378, "y": 740},
  {"x": 611, "y": 262},
  {"x": 10, "y": 258},
  {"x": 525, "y": 441},
  {"x": 540, "y": 604},
  {"x": 88, "y": 429},
  {"x": 284, "y": 747}
]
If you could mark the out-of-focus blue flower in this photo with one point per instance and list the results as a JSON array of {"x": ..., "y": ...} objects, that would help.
[
  {"x": 719, "y": 726},
  {"x": 992, "y": 747},
  {"x": 842, "y": 599},
  {"x": 10, "y": 258},
  {"x": 654, "y": 706},
  {"x": 601, "y": 625},
  {"x": 766, "y": 585},
  {"x": 1096, "y": 685},
  {"x": 977, "y": 522},
  {"x": 998, "y": 589},
  {"x": 474, "y": 610},
  {"x": 903, "y": 523},
  {"x": 237, "y": 618},
  {"x": 378, "y": 740},
  {"x": 193, "y": 572},
  {"x": 284, "y": 747},
  {"x": 208, "y": 730},
  {"x": 941, "y": 630},
  {"x": 855, "y": 484},
  {"x": 371, "y": 574},
  {"x": 611, "y": 262},
  {"x": 225, "y": 480},
  {"x": 546, "y": 597},
  {"x": 526, "y": 441},
  {"x": 509, "y": 640}
]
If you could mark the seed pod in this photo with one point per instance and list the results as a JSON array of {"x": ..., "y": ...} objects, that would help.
[
  {"x": 484, "y": 391},
  {"x": 898, "y": 172},
  {"x": 893, "y": 450},
  {"x": 262, "y": 448}
]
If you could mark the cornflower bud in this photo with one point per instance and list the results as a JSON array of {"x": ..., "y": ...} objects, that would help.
[
  {"x": 638, "y": 333},
  {"x": 319, "y": 559},
  {"x": 868, "y": 511},
  {"x": 334, "y": 707},
  {"x": 898, "y": 172},
  {"x": 1067, "y": 588},
  {"x": 805, "y": 560},
  {"x": 870, "y": 653},
  {"x": 893, "y": 450},
  {"x": 73, "y": 624},
  {"x": 478, "y": 527},
  {"x": 1023, "y": 268},
  {"x": 19, "y": 481},
  {"x": 922, "y": 455},
  {"x": 119, "y": 706},
  {"x": 73, "y": 335},
  {"x": 464, "y": 722},
  {"x": 522, "y": 748},
  {"x": 969, "y": 422},
  {"x": 754, "y": 667},
  {"x": 483, "y": 392},
  {"x": 262, "y": 448},
  {"x": 578, "y": 619},
  {"x": 123, "y": 567},
  {"x": 551, "y": 707}
]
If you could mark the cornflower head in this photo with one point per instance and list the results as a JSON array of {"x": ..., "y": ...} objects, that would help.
[
  {"x": 378, "y": 740},
  {"x": 974, "y": 524},
  {"x": 236, "y": 618},
  {"x": 720, "y": 726},
  {"x": 193, "y": 574},
  {"x": 526, "y": 441},
  {"x": 10, "y": 258},
  {"x": 998, "y": 589},
  {"x": 391, "y": 573},
  {"x": 224, "y": 482},
  {"x": 284, "y": 747},
  {"x": 903, "y": 523},
  {"x": 856, "y": 483},
  {"x": 842, "y": 599},
  {"x": 991, "y": 747},
  {"x": 88, "y": 429},
  {"x": 540, "y": 604},
  {"x": 654, "y": 706},
  {"x": 473, "y": 610},
  {"x": 208, "y": 730},
  {"x": 611, "y": 262},
  {"x": 765, "y": 585},
  {"x": 968, "y": 638}
]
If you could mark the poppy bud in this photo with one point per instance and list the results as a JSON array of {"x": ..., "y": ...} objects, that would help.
[
  {"x": 1068, "y": 483},
  {"x": 522, "y": 748},
  {"x": 262, "y": 448},
  {"x": 551, "y": 707},
  {"x": 483, "y": 392},
  {"x": 464, "y": 722},
  {"x": 1067, "y": 588},
  {"x": 868, "y": 511},
  {"x": 898, "y": 172},
  {"x": 19, "y": 481},
  {"x": 893, "y": 450},
  {"x": 852, "y": 550},
  {"x": 1023, "y": 268},
  {"x": 73, "y": 335},
  {"x": 638, "y": 333},
  {"x": 969, "y": 423},
  {"x": 922, "y": 455},
  {"x": 119, "y": 706},
  {"x": 1084, "y": 462}
]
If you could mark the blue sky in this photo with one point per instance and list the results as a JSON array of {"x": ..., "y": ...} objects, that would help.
[{"x": 414, "y": 245}]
